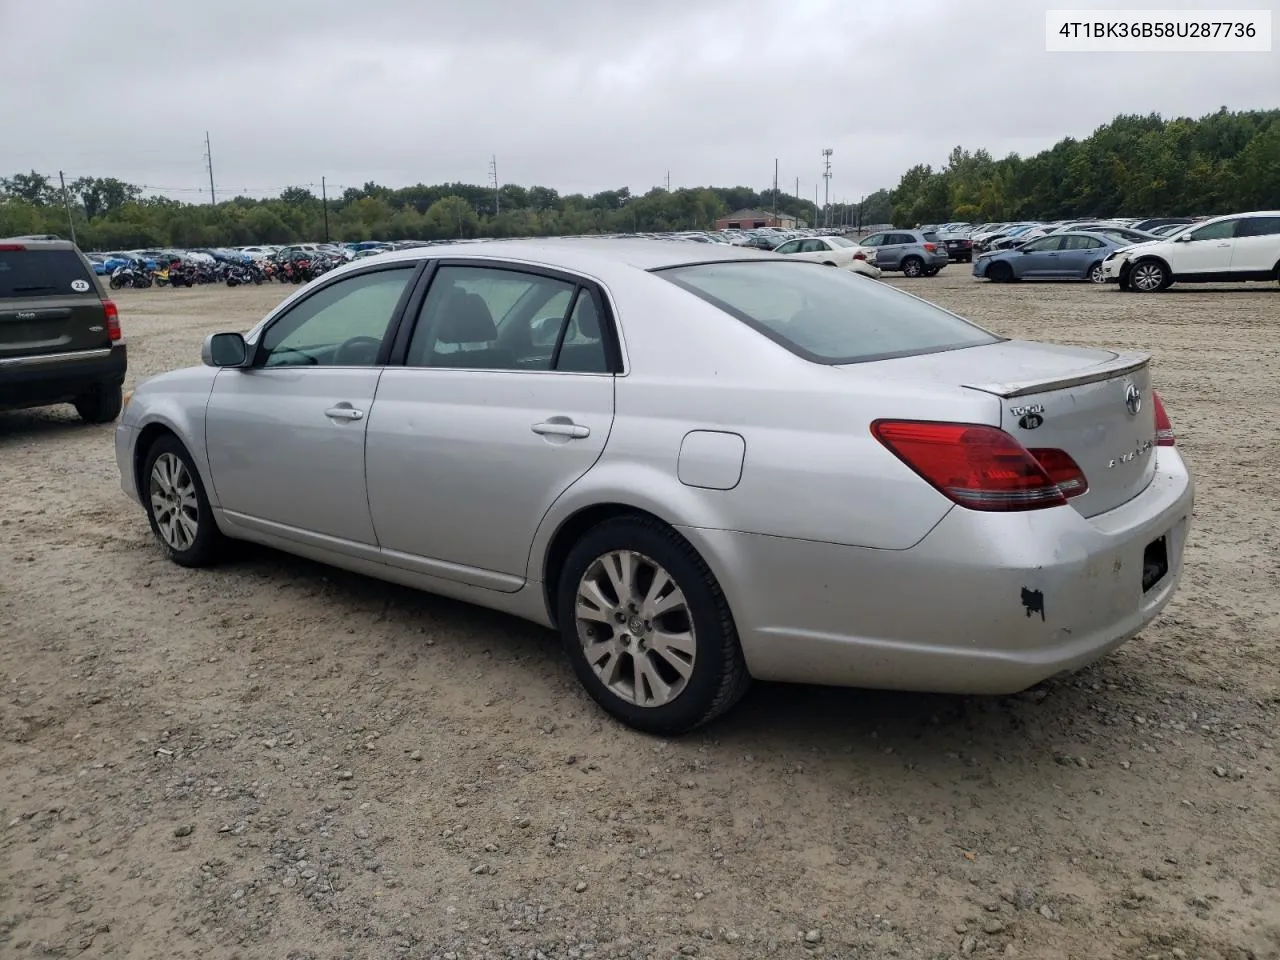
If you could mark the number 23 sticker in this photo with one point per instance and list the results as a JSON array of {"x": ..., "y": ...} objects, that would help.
[{"x": 80, "y": 286}]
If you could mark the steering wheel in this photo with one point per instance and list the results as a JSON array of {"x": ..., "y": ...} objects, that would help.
[{"x": 358, "y": 351}]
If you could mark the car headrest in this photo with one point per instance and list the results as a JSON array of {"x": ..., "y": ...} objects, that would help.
[{"x": 465, "y": 318}]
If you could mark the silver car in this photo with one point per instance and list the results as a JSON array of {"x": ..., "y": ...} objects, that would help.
[{"x": 700, "y": 464}]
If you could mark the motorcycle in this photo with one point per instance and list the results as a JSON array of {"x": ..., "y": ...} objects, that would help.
[
  {"x": 182, "y": 275},
  {"x": 129, "y": 275}
]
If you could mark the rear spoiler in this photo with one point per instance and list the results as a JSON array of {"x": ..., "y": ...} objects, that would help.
[{"x": 1119, "y": 365}]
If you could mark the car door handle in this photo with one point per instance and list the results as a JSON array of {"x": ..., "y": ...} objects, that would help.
[
  {"x": 561, "y": 428},
  {"x": 344, "y": 413}
]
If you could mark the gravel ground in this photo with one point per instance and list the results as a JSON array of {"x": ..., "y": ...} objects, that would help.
[{"x": 276, "y": 759}]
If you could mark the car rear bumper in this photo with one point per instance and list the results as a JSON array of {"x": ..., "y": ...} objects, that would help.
[
  {"x": 59, "y": 377},
  {"x": 985, "y": 604}
]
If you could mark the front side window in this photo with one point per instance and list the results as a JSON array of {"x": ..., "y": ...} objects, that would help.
[
  {"x": 486, "y": 318},
  {"x": 875, "y": 240},
  {"x": 827, "y": 316},
  {"x": 1221, "y": 230},
  {"x": 791, "y": 246},
  {"x": 342, "y": 325}
]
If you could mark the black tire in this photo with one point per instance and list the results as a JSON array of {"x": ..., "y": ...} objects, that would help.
[
  {"x": 719, "y": 674},
  {"x": 1000, "y": 272},
  {"x": 115, "y": 283},
  {"x": 101, "y": 404},
  {"x": 931, "y": 271},
  {"x": 1094, "y": 273},
  {"x": 1149, "y": 276},
  {"x": 208, "y": 544},
  {"x": 912, "y": 267}
]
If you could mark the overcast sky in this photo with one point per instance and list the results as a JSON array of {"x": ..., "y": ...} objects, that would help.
[{"x": 579, "y": 95}]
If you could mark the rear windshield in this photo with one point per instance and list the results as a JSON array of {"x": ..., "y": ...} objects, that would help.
[
  {"x": 824, "y": 315},
  {"x": 43, "y": 273}
]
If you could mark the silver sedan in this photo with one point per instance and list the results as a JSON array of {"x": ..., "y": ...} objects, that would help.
[{"x": 699, "y": 464}]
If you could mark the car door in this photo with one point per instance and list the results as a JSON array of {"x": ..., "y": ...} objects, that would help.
[
  {"x": 1037, "y": 258},
  {"x": 285, "y": 437},
  {"x": 790, "y": 247},
  {"x": 1077, "y": 254},
  {"x": 889, "y": 253},
  {"x": 503, "y": 400},
  {"x": 1205, "y": 253},
  {"x": 1257, "y": 248}
]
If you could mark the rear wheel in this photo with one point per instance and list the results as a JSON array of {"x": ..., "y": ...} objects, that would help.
[
  {"x": 912, "y": 267},
  {"x": 1148, "y": 276},
  {"x": 1000, "y": 272},
  {"x": 177, "y": 506},
  {"x": 100, "y": 405},
  {"x": 1095, "y": 274},
  {"x": 115, "y": 283},
  {"x": 647, "y": 628}
]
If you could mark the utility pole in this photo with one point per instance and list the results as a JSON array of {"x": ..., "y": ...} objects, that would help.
[
  {"x": 71, "y": 222},
  {"x": 208, "y": 155},
  {"x": 826, "y": 175},
  {"x": 775, "y": 191},
  {"x": 324, "y": 202},
  {"x": 668, "y": 181},
  {"x": 493, "y": 175},
  {"x": 797, "y": 188},
  {"x": 815, "y": 204}
]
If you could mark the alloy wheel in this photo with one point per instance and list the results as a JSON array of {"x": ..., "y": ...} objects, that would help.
[
  {"x": 1096, "y": 275},
  {"x": 1147, "y": 277},
  {"x": 174, "y": 502},
  {"x": 636, "y": 628}
]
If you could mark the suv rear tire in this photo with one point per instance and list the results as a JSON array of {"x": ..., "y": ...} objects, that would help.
[
  {"x": 100, "y": 405},
  {"x": 912, "y": 267}
]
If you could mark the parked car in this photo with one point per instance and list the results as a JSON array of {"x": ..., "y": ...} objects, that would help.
[
  {"x": 1152, "y": 222},
  {"x": 60, "y": 339},
  {"x": 1059, "y": 256},
  {"x": 913, "y": 252},
  {"x": 832, "y": 251},
  {"x": 708, "y": 428},
  {"x": 957, "y": 242},
  {"x": 1234, "y": 248}
]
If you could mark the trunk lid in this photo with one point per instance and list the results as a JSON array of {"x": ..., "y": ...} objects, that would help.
[
  {"x": 50, "y": 302},
  {"x": 1094, "y": 404}
]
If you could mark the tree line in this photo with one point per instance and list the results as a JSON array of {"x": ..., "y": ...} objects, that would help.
[
  {"x": 110, "y": 214},
  {"x": 1224, "y": 162},
  {"x": 1135, "y": 165}
]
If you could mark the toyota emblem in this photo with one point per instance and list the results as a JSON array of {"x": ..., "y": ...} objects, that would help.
[{"x": 1133, "y": 400}]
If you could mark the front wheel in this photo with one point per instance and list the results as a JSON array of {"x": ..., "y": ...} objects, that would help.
[
  {"x": 647, "y": 628},
  {"x": 177, "y": 506},
  {"x": 912, "y": 267},
  {"x": 115, "y": 283},
  {"x": 1000, "y": 272},
  {"x": 1148, "y": 277}
]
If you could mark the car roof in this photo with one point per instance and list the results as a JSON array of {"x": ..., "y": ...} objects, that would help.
[{"x": 586, "y": 254}]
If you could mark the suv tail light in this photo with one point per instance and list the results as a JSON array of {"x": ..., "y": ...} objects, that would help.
[
  {"x": 931, "y": 247},
  {"x": 12, "y": 246},
  {"x": 1164, "y": 429},
  {"x": 976, "y": 466},
  {"x": 113, "y": 319}
]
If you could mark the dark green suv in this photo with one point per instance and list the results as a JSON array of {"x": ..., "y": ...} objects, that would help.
[{"x": 60, "y": 339}]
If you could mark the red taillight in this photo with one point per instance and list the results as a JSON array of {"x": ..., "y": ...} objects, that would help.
[
  {"x": 12, "y": 246},
  {"x": 930, "y": 247},
  {"x": 859, "y": 256},
  {"x": 113, "y": 319},
  {"x": 1062, "y": 470},
  {"x": 1164, "y": 429},
  {"x": 976, "y": 466}
]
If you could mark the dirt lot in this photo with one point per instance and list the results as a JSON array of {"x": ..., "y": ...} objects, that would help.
[{"x": 274, "y": 759}]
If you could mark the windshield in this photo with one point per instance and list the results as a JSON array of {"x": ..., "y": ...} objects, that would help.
[{"x": 827, "y": 316}]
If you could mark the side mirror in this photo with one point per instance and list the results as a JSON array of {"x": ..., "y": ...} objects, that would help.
[
  {"x": 224, "y": 350},
  {"x": 1182, "y": 238}
]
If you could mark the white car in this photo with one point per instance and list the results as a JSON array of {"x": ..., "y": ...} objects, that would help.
[
  {"x": 833, "y": 251},
  {"x": 1230, "y": 249}
]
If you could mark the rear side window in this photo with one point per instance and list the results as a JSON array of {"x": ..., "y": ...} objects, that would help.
[
  {"x": 44, "y": 273},
  {"x": 1258, "y": 227},
  {"x": 827, "y": 316}
]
